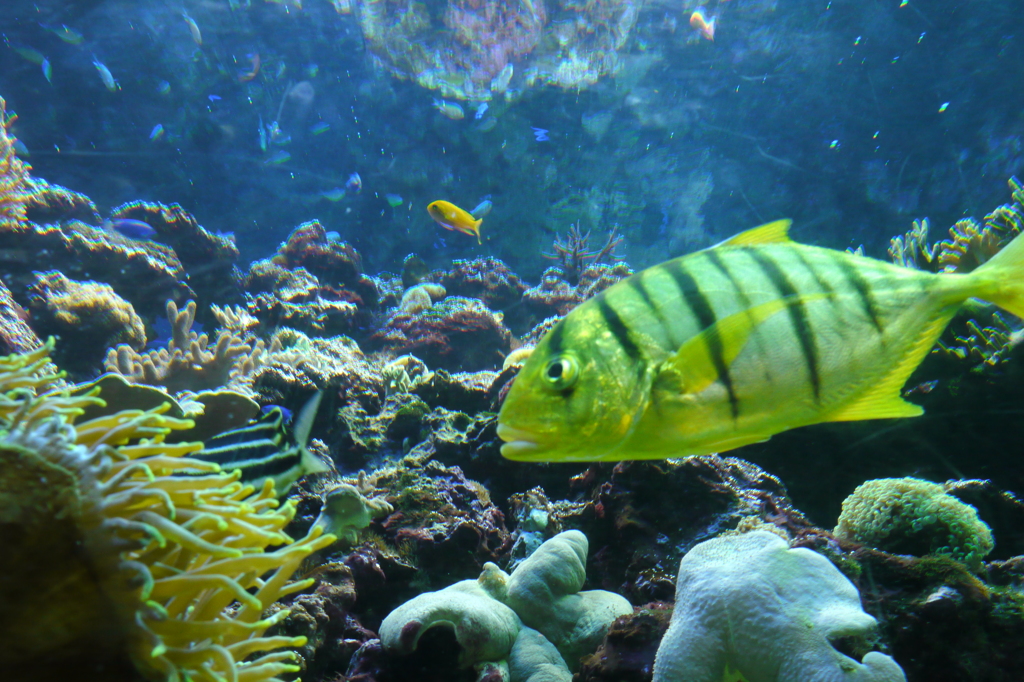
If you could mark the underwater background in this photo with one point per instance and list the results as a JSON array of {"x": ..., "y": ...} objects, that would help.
[{"x": 323, "y": 236}]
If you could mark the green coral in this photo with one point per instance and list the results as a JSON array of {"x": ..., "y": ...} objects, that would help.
[{"x": 913, "y": 516}]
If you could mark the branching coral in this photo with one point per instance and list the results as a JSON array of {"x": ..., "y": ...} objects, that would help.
[
  {"x": 573, "y": 253},
  {"x": 122, "y": 562},
  {"x": 13, "y": 174},
  {"x": 189, "y": 362},
  {"x": 986, "y": 340}
]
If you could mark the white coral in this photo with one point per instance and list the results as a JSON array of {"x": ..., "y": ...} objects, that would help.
[{"x": 749, "y": 604}]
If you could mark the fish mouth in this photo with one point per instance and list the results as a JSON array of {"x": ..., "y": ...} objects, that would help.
[{"x": 519, "y": 444}]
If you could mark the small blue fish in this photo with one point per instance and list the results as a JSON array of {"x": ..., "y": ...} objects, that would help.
[
  {"x": 278, "y": 157},
  {"x": 334, "y": 195},
  {"x": 28, "y": 53},
  {"x": 68, "y": 35},
  {"x": 333, "y": 236},
  {"x": 285, "y": 412},
  {"x": 163, "y": 88},
  {"x": 214, "y": 98},
  {"x": 105, "y": 75},
  {"x": 394, "y": 200},
  {"x": 482, "y": 209},
  {"x": 540, "y": 134},
  {"x": 480, "y": 111},
  {"x": 157, "y": 132},
  {"x": 354, "y": 184},
  {"x": 320, "y": 127},
  {"x": 47, "y": 70},
  {"x": 133, "y": 229}
]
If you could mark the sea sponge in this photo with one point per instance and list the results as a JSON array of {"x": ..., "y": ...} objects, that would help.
[
  {"x": 749, "y": 607},
  {"x": 88, "y": 312},
  {"x": 913, "y": 516},
  {"x": 120, "y": 565}
]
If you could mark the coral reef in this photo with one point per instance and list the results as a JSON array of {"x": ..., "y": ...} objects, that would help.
[
  {"x": 487, "y": 279},
  {"x": 748, "y": 605},
  {"x": 49, "y": 203},
  {"x": 323, "y": 617},
  {"x": 80, "y": 251},
  {"x": 912, "y": 516},
  {"x": 567, "y": 44},
  {"x": 331, "y": 262},
  {"x": 627, "y": 653},
  {"x": 556, "y": 296},
  {"x": 121, "y": 565},
  {"x": 209, "y": 259},
  {"x": 13, "y": 175},
  {"x": 457, "y": 334},
  {"x": 15, "y": 334},
  {"x": 88, "y": 315}
]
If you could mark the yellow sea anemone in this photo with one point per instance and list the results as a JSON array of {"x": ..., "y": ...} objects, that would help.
[{"x": 116, "y": 565}]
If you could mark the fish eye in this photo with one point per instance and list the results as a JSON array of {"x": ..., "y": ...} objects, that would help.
[{"x": 562, "y": 372}]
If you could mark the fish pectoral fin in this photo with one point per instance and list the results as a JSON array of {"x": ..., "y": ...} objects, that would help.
[
  {"x": 702, "y": 359},
  {"x": 883, "y": 400},
  {"x": 776, "y": 232}
]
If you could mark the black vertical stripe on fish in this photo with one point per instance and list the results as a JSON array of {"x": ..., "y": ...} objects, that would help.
[
  {"x": 618, "y": 328},
  {"x": 857, "y": 281},
  {"x": 637, "y": 285},
  {"x": 698, "y": 303},
  {"x": 822, "y": 283},
  {"x": 716, "y": 261},
  {"x": 797, "y": 315},
  {"x": 556, "y": 338}
]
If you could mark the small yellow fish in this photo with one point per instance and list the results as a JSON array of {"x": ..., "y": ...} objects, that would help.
[
  {"x": 703, "y": 24},
  {"x": 451, "y": 217},
  {"x": 731, "y": 345}
]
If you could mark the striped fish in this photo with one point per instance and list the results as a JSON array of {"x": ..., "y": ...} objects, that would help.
[
  {"x": 261, "y": 449},
  {"x": 730, "y": 345}
]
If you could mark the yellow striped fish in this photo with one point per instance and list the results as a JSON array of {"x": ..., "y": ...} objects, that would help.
[{"x": 730, "y": 345}]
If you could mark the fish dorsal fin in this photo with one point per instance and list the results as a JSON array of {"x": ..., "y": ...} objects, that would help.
[
  {"x": 304, "y": 422},
  {"x": 776, "y": 232},
  {"x": 695, "y": 366},
  {"x": 883, "y": 400}
]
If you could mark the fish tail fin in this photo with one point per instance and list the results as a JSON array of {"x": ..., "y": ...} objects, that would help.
[
  {"x": 311, "y": 464},
  {"x": 304, "y": 421},
  {"x": 1000, "y": 281},
  {"x": 478, "y": 223}
]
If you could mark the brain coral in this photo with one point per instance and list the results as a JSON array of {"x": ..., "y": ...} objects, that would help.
[{"x": 912, "y": 516}]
